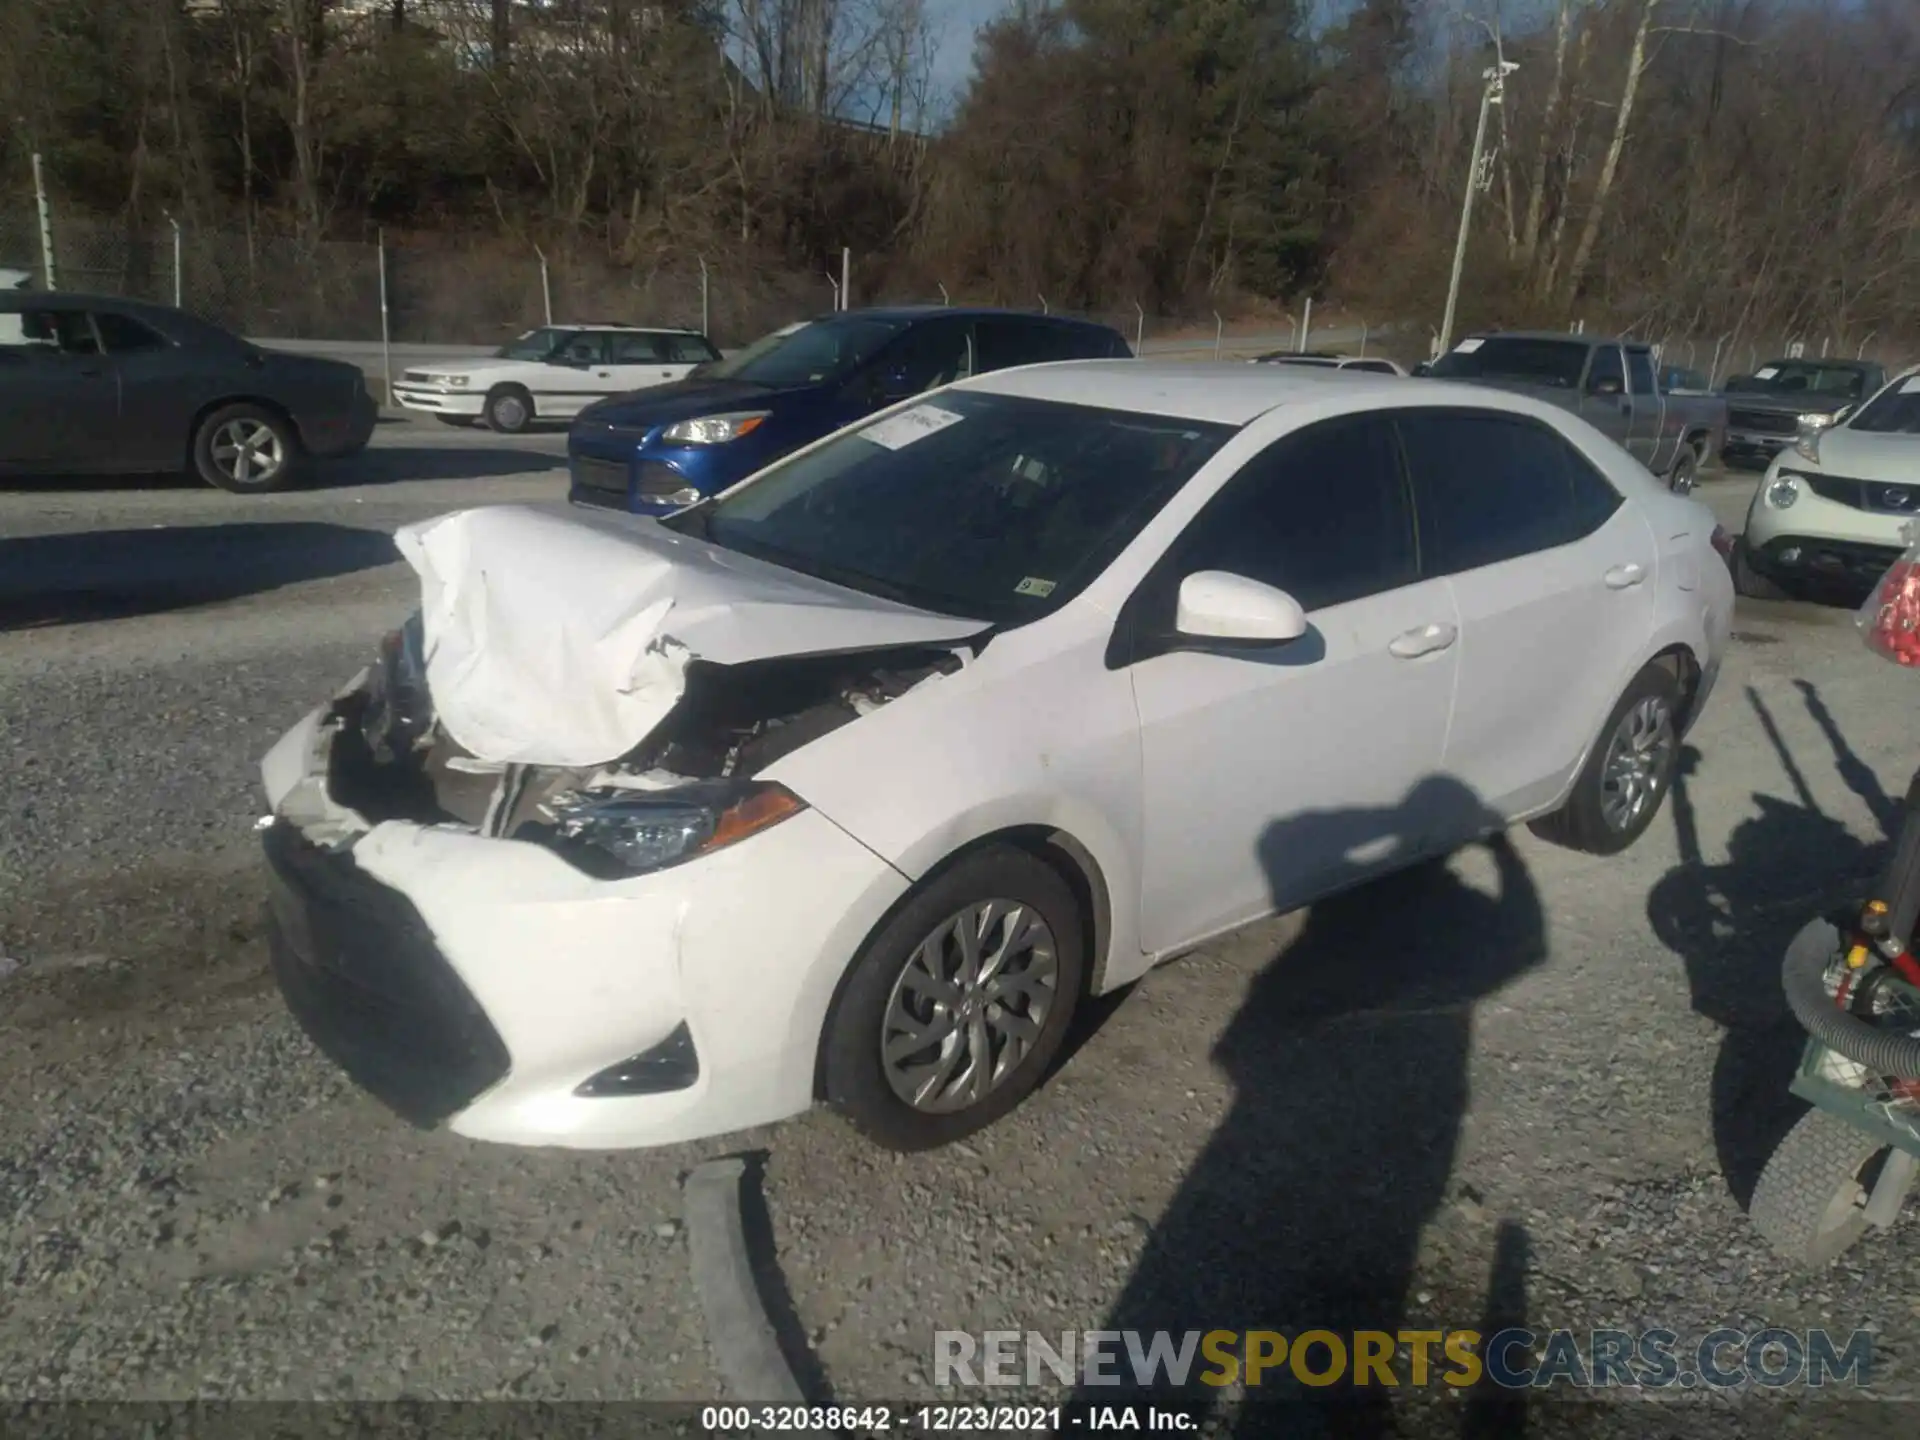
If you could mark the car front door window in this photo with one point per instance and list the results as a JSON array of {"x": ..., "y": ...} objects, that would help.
[
  {"x": 1344, "y": 722},
  {"x": 926, "y": 357}
]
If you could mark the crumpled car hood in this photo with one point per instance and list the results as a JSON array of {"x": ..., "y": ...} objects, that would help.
[{"x": 563, "y": 639}]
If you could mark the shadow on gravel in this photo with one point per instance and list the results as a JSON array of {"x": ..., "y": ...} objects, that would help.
[
  {"x": 1349, "y": 1060},
  {"x": 398, "y": 463},
  {"x": 111, "y": 574},
  {"x": 1730, "y": 924}
]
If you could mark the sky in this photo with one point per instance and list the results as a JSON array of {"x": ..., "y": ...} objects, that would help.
[{"x": 954, "y": 24}]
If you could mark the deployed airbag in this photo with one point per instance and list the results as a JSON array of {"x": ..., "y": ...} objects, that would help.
[{"x": 552, "y": 639}]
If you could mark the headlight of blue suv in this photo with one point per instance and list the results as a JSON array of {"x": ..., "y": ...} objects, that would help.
[
  {"x": 632, "y": 832},
  {"x": 714, "y": 429}
]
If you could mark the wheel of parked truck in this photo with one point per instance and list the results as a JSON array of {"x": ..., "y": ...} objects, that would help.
[
  {"x": 1628, "y": 771},
  {"x": 1810, "y": 1201},
  {"x": 1685, "y": 472},
  {"x": 1752, "y": 583},
  {"x": 956, "y": 1006},
  {"x": 509, "y": 409},
  {"x": 247, "y": 449}
]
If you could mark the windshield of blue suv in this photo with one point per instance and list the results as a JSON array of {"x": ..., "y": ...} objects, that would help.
[
  {"x": 1894, "y": 411},
  {"x": 809, "y": 354},
  {"x": 1554, "y": 363},
  {"x": 992, "y": 507},
  {"x": 534, "y": 345}
]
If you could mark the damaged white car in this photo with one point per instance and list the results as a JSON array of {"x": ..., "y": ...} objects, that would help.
[{"x": 851, "y": 784}]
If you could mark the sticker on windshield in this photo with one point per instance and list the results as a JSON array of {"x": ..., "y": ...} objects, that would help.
[
  {"x": 1466, "y": 347},
  {"x": 1038, "y": 588},
  {"x": 897, "y": 431},
  {"x": 1766, "y": 372},
  {"x": 1912, "y": 387}
]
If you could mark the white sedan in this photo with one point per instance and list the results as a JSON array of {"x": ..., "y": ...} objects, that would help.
[
  {"x": 851, "y": 784},
  {"x": 552, "y": 373}
]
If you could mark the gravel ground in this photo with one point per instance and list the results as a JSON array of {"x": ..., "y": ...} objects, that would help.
[{"x": 1527, "y": 1086}]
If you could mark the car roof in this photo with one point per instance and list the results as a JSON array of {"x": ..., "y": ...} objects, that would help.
[
  {"x": 1566, "y": 335},
  {"x": 1222, "y": 392}
]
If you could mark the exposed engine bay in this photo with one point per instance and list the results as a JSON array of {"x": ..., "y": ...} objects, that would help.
[{"x": 390, "y": 760}]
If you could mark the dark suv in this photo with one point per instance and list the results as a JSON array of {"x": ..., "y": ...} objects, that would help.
[{"x": 659, "y": 450}]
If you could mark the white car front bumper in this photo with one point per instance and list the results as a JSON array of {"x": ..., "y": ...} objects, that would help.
[
  {"x": 479, "y": 982},
  {"x": 437, "y": 400},
  {"x": 1817, "y": 537}
]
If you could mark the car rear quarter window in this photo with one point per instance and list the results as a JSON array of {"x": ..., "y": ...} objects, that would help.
[
  {"x": 1491, "y": 487},
  {"x": 691, "y": 349},
  {"x": 640, "y": 349},
  {"x": 1005, "y": 341},
  {"x": 1322, "y": 514}
]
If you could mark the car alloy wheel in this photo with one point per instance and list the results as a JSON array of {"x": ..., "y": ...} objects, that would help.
[
  {"x": 248, "y": 452},
  {"x": 1639, "y": 756},
  {"x": 969, "y": 1006}
]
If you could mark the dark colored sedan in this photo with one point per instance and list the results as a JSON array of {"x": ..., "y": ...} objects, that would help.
[
  {"x": 93, "y": 385},
  {"x": 660, "y": 450}
]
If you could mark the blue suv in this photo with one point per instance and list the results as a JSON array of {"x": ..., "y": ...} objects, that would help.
[{"x": 659, "y": 450}]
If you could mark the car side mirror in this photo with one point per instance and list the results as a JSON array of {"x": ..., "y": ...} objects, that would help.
[
  {"x": 1605, "y": 385},
  {"x": 1224, "y": 608}
]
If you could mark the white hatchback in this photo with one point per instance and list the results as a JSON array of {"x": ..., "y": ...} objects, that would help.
[
  {"x": 852, "y": 783},
  {"x": 1840, "y": 503},
  {"x": 552, "y": 373}
]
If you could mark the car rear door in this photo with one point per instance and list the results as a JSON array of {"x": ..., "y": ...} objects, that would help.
[
  {"x": 162, "y": 388},
  {"x": 59, "y": 395},
  {"x": 1553, "y": 577},
  {"x": 576, "y": 375},
  {"x": 1246, "y": 753}
]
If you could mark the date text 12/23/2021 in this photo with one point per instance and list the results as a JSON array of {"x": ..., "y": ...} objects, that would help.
[{"x": 941, "y": 1419}]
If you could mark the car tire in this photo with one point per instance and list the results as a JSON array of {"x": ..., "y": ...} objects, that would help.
[
  {"x": 1627, "y": 773},
  {"x": 1753, "y": 583},
  {"x": 509, "y": 409},
  {"x": 870, "y": 1067},
  {"x": 1685, "y": 472},
  {"x": 1810, "y": 1200},
  {"x": 248, "y": 449}
]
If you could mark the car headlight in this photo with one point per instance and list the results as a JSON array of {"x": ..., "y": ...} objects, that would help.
[
  {"x": 714, "y": 429},
  {"x": 454, "y": 382},
  {"x": 399, "y": 707},
  {"x": 632, "y": 832},
  {"x": 1783, "y": 490}
]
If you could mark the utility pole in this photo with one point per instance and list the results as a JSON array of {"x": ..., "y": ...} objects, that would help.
[
  {"x": 46, "y": 224},
  {"x": 1496, "y": 77}
]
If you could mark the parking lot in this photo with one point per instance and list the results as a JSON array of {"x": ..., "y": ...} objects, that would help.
[{"x": 1531, "y": 1087}]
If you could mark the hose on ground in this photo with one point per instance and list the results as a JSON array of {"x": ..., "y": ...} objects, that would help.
[{"x": 1888, "y": 1052}]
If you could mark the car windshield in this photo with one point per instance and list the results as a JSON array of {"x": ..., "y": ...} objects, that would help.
[
  {"x": 1894, "y": 411},
  {"x": 992, "y": 507},
  {"x": 1803, "y": 377},
  {"x": 535, "y": 344},
  {"x": 807, "y": 354},
  {"x": 1556, "y": 363}
]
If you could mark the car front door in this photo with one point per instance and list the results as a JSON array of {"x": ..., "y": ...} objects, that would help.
[
  {"x": 1604, "y": 401},
  {"x": 1648, "y": 440},
  {"x": 578, "y": 373},
  {"x": 1553, "y": 578},
  {"x": 161, "y": 389},
  {"x": 59, "y": 396},
  {"x": 1328, "y": 735}
]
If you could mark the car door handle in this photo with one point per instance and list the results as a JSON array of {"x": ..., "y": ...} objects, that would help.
[
  {"x": 1422, "y": 640},
  {"x": 1621, "y": 577}
]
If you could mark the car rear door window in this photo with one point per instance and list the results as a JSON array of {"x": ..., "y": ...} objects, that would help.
[
  {"x": 936, "y": 352},
  {"x": 1008, "y": 340},
  {"x": 639, "y": 349},
  {"x": 1492, "y": 487},
  {"x": 1640, "y": 372},
  {"x": 1322, "y": 514}
]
